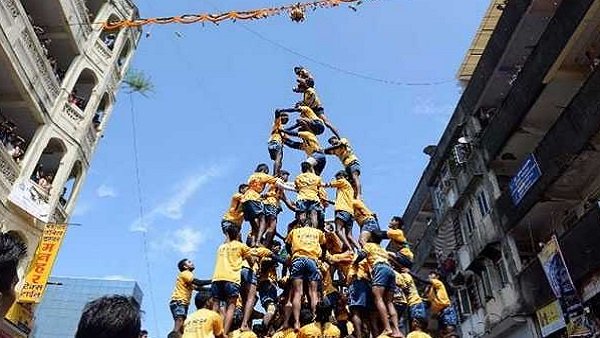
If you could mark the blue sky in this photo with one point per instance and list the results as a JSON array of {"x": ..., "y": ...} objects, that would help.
[{"x": 206, "y": 126}]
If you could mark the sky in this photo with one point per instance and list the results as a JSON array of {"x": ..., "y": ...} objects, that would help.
[{"x": 205, "y": 127}]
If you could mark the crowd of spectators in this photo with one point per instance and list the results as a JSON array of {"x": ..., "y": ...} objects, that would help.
[
  {"x": 46, "y": 42},
  {"x": 11, "y": 140}
]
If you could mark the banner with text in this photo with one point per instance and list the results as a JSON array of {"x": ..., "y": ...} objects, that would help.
[
  {"x": 41, "y": 265},
  {"x": 553, "y": 263},
  {"x": 30, "y": 197}
]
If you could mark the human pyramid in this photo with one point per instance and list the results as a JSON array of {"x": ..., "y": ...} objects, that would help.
[{"x": 322, "y": 282}]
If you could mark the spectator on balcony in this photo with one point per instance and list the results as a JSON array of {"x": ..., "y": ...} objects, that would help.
[
  {"x": 15, "y": 148},
  {"x": 97, "y": 120},
  {"x": 63, "y": 197},
  {"x": 76, "y": 100},
  {"x": 110, "y": 40},
  {"x": 46, "y": 183},
  {"x": 12, "y": 250}
]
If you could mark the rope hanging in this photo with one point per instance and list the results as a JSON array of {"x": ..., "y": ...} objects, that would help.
[{"x": 295, "y": 11}]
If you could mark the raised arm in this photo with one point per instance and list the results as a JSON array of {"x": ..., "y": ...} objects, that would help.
[{"x": 330, "y": 150}]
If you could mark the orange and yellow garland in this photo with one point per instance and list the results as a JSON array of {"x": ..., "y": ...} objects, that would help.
[{"x": 296, "y": 12}]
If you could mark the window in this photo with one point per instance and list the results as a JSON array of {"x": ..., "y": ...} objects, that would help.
[
  {"x": 470, "y": 220},
  {"x": 482, "y": 201},
  {"x": 464, "y": 302},
  {"x": 458, "y": 234},
  {"x": 502, "y": 273},
  {"x": 473, "y": 292},
  {"x": 486, "y": 282}
]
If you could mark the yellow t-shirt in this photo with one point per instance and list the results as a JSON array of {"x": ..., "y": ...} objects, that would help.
[
  {"x": 230, "y": 257},
  {"x": 438, "y": 297},
  {"x": 306, "y": 242},
  {"x": 344, "y": 196},
  {"x": 334, "y": 243},
  {"x": 396, "y": 235},
  {"x": 307, "y": 113},
  {"x": 308, "y": 185},
  {"x": 235, "y": 214},
  {"x": 355, "y": 271},
  {"x": 375, "y": 254},
  {"x": 345, "y": 152},
  {"x": 203, "y": 323},
  {"x": 323, "y": 196},
  {"x": 241, "y": 334},
  {"x": 311, "y": 99},
  {"x": 276, "y": 131},
  {"x": 361, "y": 212},
  {"x": 312, "y": 330},
  {"x": 257, "y": 183},
  {"x": 418, "y": 334},
  {"x": 406, "y": 251},
  {"x": 183, "y": 287},
  {"x": 399, "y": 295},
  {"x": 287, "y": 333},
  {"x": 328, "y": 330},
  {"x": 407, "y": 284},
  {"x": 310, "y": 142},
  {"x": 328, "y": 287},
  {"x": 272, "y": 196}
]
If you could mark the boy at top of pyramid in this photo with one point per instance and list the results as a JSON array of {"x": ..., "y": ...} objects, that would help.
[{"x": 311, "y": 99}]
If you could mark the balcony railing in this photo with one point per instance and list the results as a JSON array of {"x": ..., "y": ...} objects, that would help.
[
  {"x": 10, "y": 172},
  {"x": 79, "y": 22},
  {"x": 73, "y": 112}
]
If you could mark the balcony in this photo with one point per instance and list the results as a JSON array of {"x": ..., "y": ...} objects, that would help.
[{"x": 10, "y": 172}]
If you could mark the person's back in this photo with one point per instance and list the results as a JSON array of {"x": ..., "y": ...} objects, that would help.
[
  {"x": 203, "y": 323},
  {"x": 329, "y": 330},
  {"x": 307, "y": 185},
  {"x": 418, "y": 334}
]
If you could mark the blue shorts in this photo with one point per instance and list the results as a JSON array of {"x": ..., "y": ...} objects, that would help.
[
  {"x": 267, "y": 292},
  {"x": 305, "y": 269},
  {"x": 321, "y": 162},
  {"x": 359, "y": 294},
  {"x": 352, "y": 168},
  {"x": 225, "y": 225},
  {"x": 332, "y": 299},
  {"x": 317, "y": 126},
  {"x": 417, "y": 311},
  {"x": 252, "y": 210},
  {"x": 319, "y": 111},
  {"x": 178, "y": 309},
  {"x": 248, "y": 276},
  {"x": 272, "y": 211},
  {"x": 370, "y": 225},
  {"x": 383, "y": 275},
  {"x": 275, "y": 148},
  {"x": 400, "y": 309},
  {"x": 448, "y": 317},
  {"x": 306, "y": 206},
  {"x": 223, "y": 290},
  {"x": 345, "y": 217}
]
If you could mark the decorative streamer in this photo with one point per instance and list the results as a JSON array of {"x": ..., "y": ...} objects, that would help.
[{"x": 295, "y": 11}]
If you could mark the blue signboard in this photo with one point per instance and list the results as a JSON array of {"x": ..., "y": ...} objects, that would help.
[{"x": 525, "y": 178}]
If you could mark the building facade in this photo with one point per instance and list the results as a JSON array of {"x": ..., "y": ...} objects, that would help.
[
  {"x": 65, "y": 299},
  {"x": 517, "y": 164},
  {"x": 59, "y": 75}
]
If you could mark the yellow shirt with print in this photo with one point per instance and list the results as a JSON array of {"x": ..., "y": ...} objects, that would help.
[
  {"x": 235, "y": 214},
  {"x": 306, "y": 242},
  {"x": 241, "y": 334},
  {"x": 307, "y": 185},
  {"x": 203, "y": 323},
  {"x": 256, "y": 184},
  {"x": 405, "y": 281},
  {"x": 311, "y": 99},
  {"x": 361, "y": 212},
  {"x": 230, "y": 257},
  {"x": 276, "y": 131},
  {"x": 355, "y": 271},
  {"x": 375, "y": 254},
  {"x": 307, "y": 113},
  {"x": 272, "y": 196},
  {"x": 418, "y": 334},
  {"x": 438, "y": 297},
  {"x": 344, "y": 152},
  {"x": 312, "y": 330},
  {"x": 328, "y": 330},
  {"x": 397, "y": 235},
  {"x": 344, "y": 197},
  {"x": 183, "y": 287},
  {"x": 310, "y": 142},
  {"x": 286, "y": 333}
]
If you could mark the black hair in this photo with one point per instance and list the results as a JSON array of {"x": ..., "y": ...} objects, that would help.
[
  {"x": 310, "y": 83},
  {"x": 181, "y": 264},
  {"x": 262, "y": 168},
  {"x": 12, "y": 250},
  {"x": 232, "y": 233},
  {"x": 275, "y": 243},
  {"x": 323, "y": 312},
  {"x": 341, "y": 173},
  {"x": 260, "y": 329},
  {"x": 202, "y": 297},
  {"x": 399, "y": 220},
  {"x": 306, "y": 317},
  {"x": 110, "y": 317},
  {"x": 333, "y": 138},
  {"x": 297, "y": 69},
  {"x": 305, "y": 167},
  {"x": 283, "y": 172},
  {"x": 143, "y": 332},
  {"x": 242, "y": 187},
  {"x": 420, "y": 322}
]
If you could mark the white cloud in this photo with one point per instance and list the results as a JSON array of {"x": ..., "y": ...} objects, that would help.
[
  {"x": 117, "y": 278},
  {"x": 173, "y": 207},
  {"x": 184, "y": 241},
  {"x": 106, "y": 191}
]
